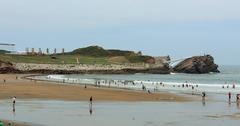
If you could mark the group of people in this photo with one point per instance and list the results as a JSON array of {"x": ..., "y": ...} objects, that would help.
[
  {"x": 233, "y": 86},
  {"x": 237, "y": 96}
]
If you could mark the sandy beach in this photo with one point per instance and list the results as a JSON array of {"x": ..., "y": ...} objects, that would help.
[{"x": 27, "y": 89}]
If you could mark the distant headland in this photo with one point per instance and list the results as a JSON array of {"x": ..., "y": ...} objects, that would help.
[{"x": 97, "y": 60}]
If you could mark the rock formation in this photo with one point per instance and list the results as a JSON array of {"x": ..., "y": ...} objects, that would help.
[
  {"x": 197, "y": 65},
  {"x": 7, "y": 67}
]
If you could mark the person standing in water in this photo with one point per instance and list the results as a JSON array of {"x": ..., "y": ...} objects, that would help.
[
  {"x": 203, "y": 98},
  {"x": 229, "y": 96}
]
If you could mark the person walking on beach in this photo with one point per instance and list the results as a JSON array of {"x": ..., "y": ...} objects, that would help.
[
  {"x": 203, "y": 98},
  {"x": 14, "y": 102},
  {"x": 143, "y": 88},
  {"x": 203, "y": 95},
  {"x": 90, "y": 105},
  {"x": 90, "y": 100}
]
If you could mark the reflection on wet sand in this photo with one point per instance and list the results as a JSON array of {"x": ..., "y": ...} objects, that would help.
[
  {"x": 203, "y": 102},
  {"x": 63, "y": 113}
]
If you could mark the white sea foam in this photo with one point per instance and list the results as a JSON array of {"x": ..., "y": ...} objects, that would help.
[{"x": 186, "y": 87}]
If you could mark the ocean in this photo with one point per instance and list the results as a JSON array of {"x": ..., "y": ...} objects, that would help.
[{"x": 226, "y": 81}]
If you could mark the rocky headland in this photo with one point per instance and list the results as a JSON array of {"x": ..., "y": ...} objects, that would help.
[
  {"x": 116, "y": 62},
  {"x": 195, "y": 65},
  {"x": 7, "y": 67}
]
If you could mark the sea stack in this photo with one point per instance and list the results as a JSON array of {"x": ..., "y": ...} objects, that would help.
[{"x": 197, "y": 65}]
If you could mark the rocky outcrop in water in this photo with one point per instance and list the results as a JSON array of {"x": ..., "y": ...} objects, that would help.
[{"x": 197, "y": 65}]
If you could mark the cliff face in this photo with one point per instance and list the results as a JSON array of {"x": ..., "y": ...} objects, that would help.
[
  {"x": 7, "y": 67},
  {"x": 198, "y": 65}
]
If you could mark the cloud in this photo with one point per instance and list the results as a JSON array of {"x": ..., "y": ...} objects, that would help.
[{"x": 96, "y": 13}]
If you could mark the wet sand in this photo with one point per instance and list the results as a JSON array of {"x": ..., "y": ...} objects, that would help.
[
  {"x": 27, "y": 89},
  {"x": 74, "y": 113},
  {"x": 5, "y": 122}
]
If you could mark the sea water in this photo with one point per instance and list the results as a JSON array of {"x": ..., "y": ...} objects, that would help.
[{"x": 219, "y": 83}]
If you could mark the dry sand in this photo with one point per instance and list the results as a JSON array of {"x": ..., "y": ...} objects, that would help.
[{"x": 27, "y": 89}]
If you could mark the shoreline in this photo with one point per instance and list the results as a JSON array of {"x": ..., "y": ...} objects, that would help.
[{"x": 27, "y": 89}]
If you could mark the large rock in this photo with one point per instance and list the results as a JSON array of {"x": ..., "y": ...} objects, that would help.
[{"x": 197, "y": 64}]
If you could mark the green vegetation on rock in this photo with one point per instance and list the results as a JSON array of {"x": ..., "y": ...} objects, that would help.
[
  {"x": 4, "y": 51},
  {"x": 88, "y": 55},
  {"x": 94, "y": 51},
  {"x": 57, "y": 59}
]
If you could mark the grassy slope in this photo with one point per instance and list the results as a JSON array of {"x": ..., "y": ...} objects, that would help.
[{"x": 67, "y": 59}]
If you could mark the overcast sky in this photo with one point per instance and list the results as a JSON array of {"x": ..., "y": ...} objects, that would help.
[{"x": 179, "y": 28}]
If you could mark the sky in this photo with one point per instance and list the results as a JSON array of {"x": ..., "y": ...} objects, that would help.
[{"x": 179, "y": 28}]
